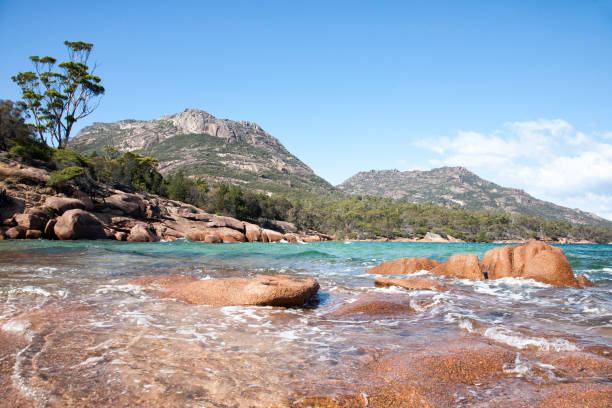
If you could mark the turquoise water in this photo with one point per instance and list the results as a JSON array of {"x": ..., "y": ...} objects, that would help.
[{"x": 76, "y": 295}]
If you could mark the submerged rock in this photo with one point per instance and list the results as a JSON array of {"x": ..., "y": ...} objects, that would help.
[
  {"x": 374, "y": 306},
  {"x": 462, "y": 266},
  {"x": 79, "y": 224},
  {"x": 411, "y": 283},
  {"x": 431, "y": 377},
  {"x": 403, "y": 266},
  {"x": 277, "y": 290}
]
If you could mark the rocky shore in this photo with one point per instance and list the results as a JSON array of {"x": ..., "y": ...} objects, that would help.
[{"x": 29, "y": 209}]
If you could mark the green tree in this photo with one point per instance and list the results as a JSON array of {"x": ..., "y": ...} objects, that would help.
[{"x": 58, "y": 96}]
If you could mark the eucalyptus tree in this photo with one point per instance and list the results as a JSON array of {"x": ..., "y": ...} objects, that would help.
[{"x": 58, "y": 95}]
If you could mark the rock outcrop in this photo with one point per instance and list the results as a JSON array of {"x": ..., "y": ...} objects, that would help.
[
  {"x": 533, "y": 260},
  {"x": 276, "y": 290},
  {"x": 135, "y": 217},
  {"x": 403, "y": 266}
]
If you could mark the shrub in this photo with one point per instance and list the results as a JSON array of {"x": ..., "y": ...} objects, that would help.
[
  {"x": 60, "y": 176},
  {"x": 68, "y": 158},
  {"x": 30, "y": 149}
]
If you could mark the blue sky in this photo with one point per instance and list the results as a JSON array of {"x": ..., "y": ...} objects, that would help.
[{"x": 518, "y": 92}]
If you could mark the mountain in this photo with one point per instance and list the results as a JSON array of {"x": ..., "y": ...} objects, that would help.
[
  {"x": 457, "y": 186},
  {"x": 201, "y": 145}
]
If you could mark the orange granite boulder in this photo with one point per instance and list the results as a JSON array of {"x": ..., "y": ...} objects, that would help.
[
  {"x": 277, "y": 290},
  {"x": 533, "y": 260},
  {"x": 252, "y": 232},
  {"x": 272, "y": 236},
  {"x": 462, "y": 266},
  {"x": 79, "y": 224}
]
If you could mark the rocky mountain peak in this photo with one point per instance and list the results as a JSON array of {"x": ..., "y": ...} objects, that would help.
[{"x": 202, "y": 145}]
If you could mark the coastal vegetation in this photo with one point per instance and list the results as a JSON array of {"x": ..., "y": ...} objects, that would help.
[{"x": 336, "y": 213}]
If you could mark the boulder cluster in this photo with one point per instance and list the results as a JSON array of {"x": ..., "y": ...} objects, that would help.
[
  {"x": 136, "y": 218},
  {"x": 532, "y": 260}
]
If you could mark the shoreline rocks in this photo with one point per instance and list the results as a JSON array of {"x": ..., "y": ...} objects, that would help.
[
  {"x": 35, "y": 211},
  {"x": 533, "y": 260}
]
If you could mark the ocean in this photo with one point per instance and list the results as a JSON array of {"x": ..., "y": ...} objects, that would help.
[{"x": 75, "y": 332}]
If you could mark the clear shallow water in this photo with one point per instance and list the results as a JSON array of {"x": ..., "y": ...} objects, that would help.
[{"x": 73, "y": 324}]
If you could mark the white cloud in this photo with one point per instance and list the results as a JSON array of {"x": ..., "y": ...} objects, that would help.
[{"x": 548, "y": 158}]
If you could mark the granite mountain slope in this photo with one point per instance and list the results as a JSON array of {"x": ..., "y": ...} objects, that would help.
[
  {"x": 457, "y": 186},
  {"x": 201, "y": 145}
]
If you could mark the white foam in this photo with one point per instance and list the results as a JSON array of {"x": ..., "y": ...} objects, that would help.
[
  {"x": 140, "y": 319},
  {"x": 127, "y": 288},
  {"x": 288, "y": 335},
  {"x": 522, "y": 341},
  {"x": 31, "y": 290},
  {"x": 465, "y": 324},
  {"x": 46, "y": 269},
  {"x": 526, "y": 368},
  {"x": 518, "y": 368},
  {"x": 365, "y": 399},
  {"x": 18, "y": 326},
  {"x": 463, "y": 321},
  {"x": 90, "y": 360},
  {"x": 596, "y": 311},
  {"x": 389, "y": 289},
  {"x": 20, "y": 381}
]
